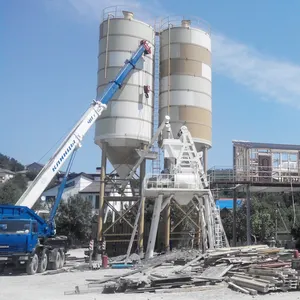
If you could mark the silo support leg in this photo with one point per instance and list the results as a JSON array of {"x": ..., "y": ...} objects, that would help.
[
  {"x": 167, "y": 213},
  {"x": 142, "y": 211},
  {"x": 154, "y": 226},
  {"x": 101, "y": 196}
]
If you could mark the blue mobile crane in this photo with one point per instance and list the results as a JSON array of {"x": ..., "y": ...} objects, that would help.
[{"x": 26, "y": 239}]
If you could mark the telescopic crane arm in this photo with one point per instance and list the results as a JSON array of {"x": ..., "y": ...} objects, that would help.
[{"x": 73, "y": 140}]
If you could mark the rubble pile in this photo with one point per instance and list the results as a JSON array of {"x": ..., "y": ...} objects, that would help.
[
  {"x": 266, "y": 279},
  {"x": 250, "y": 270}
]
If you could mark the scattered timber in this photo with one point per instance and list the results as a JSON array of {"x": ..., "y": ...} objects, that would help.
[{"x": 249, "y": 270}]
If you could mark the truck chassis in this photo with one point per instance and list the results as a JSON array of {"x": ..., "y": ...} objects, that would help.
[{"x": 49, "y": 254}]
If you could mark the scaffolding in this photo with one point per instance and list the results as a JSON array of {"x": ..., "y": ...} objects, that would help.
[{"x": 156, "y": 163}]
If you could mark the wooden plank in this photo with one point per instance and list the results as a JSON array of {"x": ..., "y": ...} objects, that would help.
[
  {"x": 189, "y": 264},
  {"x": 139, "y": 270},
  {"x": 238, "y": 288},
  {"x": 216, "y": 271}
]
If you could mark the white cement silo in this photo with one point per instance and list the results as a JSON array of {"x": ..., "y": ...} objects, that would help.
[
  {"x": 127, "y": 123},
  {"x": 185, "y": 78}
]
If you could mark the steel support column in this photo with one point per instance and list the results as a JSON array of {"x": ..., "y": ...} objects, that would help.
[
  {"x": 248, "y": 216},
  {"x": 205, "y": 159},
  {"x": 154, "y": 226},
  {"x": 234, "y": 218},
  {"x": 167, "y": 215},
  {"x": 101, "y": 196},
  {"x": 142, "y": 210},
  {"x": 208, "y": 216}
]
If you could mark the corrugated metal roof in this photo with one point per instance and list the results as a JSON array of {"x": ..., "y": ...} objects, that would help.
[{"x": 247, "y": 144}]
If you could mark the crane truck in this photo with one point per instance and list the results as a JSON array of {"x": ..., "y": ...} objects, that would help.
[{"x": 27, "y": 240}]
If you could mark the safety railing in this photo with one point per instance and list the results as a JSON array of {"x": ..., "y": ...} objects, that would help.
[
  {"x": 116, "y": 11},
  {"x": 170, "y": 181},
  {"x": 176, "y": 21},
  {"x": 254, "y": 174},
  {"x": 132, "y": 11}
]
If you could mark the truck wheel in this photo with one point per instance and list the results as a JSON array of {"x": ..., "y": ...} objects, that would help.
[
  {"x": 43, "y": 263},
  {"x": 56, "y": 264},
  {"x": 32, "y": 265}
]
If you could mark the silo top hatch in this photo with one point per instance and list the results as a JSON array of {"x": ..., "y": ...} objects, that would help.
[
  {"x": 180, "y": 21},
  {"x": 122, "y": 12}
]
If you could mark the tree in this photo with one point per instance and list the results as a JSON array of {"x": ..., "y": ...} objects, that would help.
[
  {"x": 74, "y": 219},
  {"x": 9, "y": 193},
  {"x": 10, "y": 163},
  {"x": 227, "y": 221},
  {"x": 262, "y": 219},
  {"x": 11, "y": 190}
]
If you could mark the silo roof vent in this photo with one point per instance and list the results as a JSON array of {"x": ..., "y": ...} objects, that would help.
[
  {"x": 186, "y": 23},
  {"x": 127, "y": 15}
]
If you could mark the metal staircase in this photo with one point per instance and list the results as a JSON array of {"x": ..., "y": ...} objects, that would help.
[
  {"x": 219, "y": 232},
  {"x": 156, "y": 163},
  {"x": 220, "y": 238},
  {"x": 190, "y": 158}
]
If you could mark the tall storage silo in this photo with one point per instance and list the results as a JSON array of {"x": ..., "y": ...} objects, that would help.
[
  {"x": 185, "y": 78},
  {"x": 127, "y": 123}
]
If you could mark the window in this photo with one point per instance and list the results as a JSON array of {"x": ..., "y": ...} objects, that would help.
[
  {"x": 14, "y": 226},
  {"x": 34, "y": 227}
]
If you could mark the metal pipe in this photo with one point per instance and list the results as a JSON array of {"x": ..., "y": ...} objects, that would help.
[
  {"x": 166, "y": 202},
  {"x": 106, "y": 50},
  {"x": 202, "y": 224},
  {"x": 134, "y": 230},
  {"x": 208, "y": 215},
  {"x": 101, "y": 196},
  {"x": 167, "y": 215},
  {"x": 248, "y": 216},
  {"x": 154, "y": 226},
  {"x": 234, "y": 218},
  {"x": 142, "y": 210},
  {"x": 169, "y": 71},
  {"x": 146, "y": 150},
  {"x": 205, "y": 159}
]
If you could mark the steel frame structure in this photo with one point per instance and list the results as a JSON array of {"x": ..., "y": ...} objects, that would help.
[
  {"x": 184, "y": 181},
  {"x": 262, "y": 162}
]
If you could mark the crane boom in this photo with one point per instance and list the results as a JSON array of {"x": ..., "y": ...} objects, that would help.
[{"x": 73, "y": 140}]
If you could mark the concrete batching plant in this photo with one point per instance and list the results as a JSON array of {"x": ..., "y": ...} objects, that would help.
[{"x": 125, "y": 129}]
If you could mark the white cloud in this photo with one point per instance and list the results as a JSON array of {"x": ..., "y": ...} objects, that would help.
[
  {"x": 93, "y": 9},
  {"x": 271, "y": 78}
]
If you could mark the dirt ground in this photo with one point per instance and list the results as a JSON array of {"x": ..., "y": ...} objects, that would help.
[{"x": 52, "y": 287}]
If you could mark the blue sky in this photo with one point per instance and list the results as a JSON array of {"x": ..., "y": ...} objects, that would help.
[{"x": 48, "y": 69}]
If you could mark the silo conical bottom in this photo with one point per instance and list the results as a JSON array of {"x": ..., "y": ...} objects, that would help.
[{"x": 122, "y": 159}]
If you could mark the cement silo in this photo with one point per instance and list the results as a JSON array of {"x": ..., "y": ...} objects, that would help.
[
  {"x": 185, "y": 78},
  {"x": 127, "y": 123}
]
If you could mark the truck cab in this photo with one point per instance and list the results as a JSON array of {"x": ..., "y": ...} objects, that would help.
[
  {"x": 18, "y": 239},
  {"x": 28, "y": 241}
]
